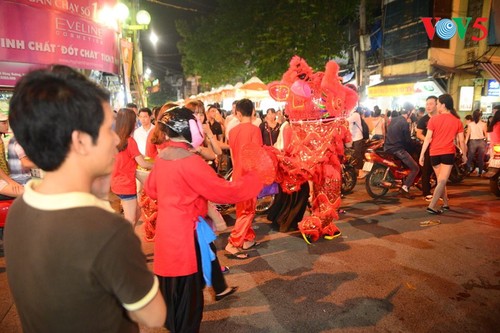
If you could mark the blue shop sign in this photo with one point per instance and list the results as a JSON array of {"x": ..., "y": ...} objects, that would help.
[{"x": 493, "y": 88}]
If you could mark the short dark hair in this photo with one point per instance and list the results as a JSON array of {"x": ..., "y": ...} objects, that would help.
[
  {"x": 432, "y": 97},
  {"x": 245, "y": 107},
  {"x": 47, "y": 106},
  {"x": 131, "y": 105},
  {"x": 148, "y": 110}
]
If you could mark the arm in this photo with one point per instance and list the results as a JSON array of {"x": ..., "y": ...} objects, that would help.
[
  {"x": 26, "y": 163},
  {"x": 151, "y": 315},
  {"x": 143, "y": 163},
  {"x": 420, "y": 134},
  {"x": 461, "y": 142},
  {"x": 427, "y": 142}
]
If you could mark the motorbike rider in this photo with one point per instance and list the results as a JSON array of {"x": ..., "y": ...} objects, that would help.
[{"x": 398, "y": 142}]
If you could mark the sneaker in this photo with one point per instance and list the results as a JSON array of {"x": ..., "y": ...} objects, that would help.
[
  {"x": 406, "y": 194},
  {"x": 428, "y": 197}
]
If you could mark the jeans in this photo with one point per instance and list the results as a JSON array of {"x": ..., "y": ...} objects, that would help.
[
  {"x": 479, "y": 147},
  {"x": 407, "y": 160}
]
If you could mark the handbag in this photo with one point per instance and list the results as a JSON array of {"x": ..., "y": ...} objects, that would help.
[{"x": 268, "y": 190}]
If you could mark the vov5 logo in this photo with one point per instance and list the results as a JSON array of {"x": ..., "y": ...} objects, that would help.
[{"x": 446, "y": 28}]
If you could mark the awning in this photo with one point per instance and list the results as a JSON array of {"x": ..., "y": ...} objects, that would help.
[
  {"x": 402, "y": 86},
  {"x": 493, "y": 69}
]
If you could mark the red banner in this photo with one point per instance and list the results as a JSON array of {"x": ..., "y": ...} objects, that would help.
[{"x": 57, "y": 32}]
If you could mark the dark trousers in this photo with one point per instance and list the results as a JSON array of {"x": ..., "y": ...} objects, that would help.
[
  {"x": 407, "y": 160},
  {"x": 426, "y": 174},
  {"x": 358, "y": 154},
  {"x": 184, "y": 298},
  {"x": 218, "y": 281}
]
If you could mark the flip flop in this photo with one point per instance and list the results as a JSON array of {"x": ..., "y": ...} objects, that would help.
[
  {"x": 429, "y": 223},
  {"x": 254, "y": 244},
  {"x": 238, "y": 256}
]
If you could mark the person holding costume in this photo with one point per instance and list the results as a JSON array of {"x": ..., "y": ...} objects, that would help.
[{"x": 182, "y": 183}]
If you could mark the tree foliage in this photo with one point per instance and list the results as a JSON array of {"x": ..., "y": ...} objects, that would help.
[{"x": 242, "y": 38}]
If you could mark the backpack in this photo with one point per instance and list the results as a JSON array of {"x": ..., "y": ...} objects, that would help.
[{"x": 364, "y": 128}]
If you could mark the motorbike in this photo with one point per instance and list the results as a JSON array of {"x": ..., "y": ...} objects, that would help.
[
  {"x": 493, "y": 173},
  {"x": 459, "y": 170},
  {"x": 265, "y": 199},
  {"x": 385, "y": 172},
  {"x": 348, "y": 172}
]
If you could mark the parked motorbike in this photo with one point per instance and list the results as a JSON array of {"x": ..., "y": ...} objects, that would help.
[
  {"x": 459, "y": 170},
  {"x": 348, "y": 172},
  {"x": 385, "y": 172},
  {"x": 493, "y": 173}
]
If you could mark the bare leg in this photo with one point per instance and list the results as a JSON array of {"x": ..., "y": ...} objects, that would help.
[
  {"x": 442, "y": 173},
  {"x": 130, "y": 210}
]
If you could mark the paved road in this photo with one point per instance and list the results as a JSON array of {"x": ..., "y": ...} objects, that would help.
[{"x": 387, "y": 273}]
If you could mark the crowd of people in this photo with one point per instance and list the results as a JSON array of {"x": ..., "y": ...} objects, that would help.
[{"x": 81, "y": 267}]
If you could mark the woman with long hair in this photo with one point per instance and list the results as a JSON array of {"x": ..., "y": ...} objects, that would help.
[
  {"x": 442, "y": 131},
  {"x": 475, "y": 141},
  {"x": 123, "y": 182},
  {"x": 156, "y": 140}
]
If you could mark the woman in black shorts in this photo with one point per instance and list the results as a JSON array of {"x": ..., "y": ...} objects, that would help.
[{"x": 442, "y": 131}]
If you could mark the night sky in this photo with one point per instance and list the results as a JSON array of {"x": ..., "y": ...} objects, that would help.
[{"x": 166, "y": 55}]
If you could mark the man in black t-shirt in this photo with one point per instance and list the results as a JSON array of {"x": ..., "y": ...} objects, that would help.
[
  {"x": 421, "y": 131},
  {"x": 215, "y": 126}
]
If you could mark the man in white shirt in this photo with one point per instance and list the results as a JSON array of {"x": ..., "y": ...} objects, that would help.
[
  {"x": 358, "y": 144},
  {"x": 141, "y": 133}
]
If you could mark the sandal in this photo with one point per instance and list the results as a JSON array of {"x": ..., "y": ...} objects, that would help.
[
  {"x": 238, "y": 255},
  {"x": 235, "y": 252},
  {"x": 433, "y": 212},
  {"x": 227, "y": 292},
  {"x": 254, "y": 244}
]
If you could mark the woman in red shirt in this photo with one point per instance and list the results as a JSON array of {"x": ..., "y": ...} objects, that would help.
[
  {"x": 442, "y": 131},
  {"x": 123, "y": 182}
]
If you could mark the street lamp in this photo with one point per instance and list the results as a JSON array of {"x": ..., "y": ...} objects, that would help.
[
  {"x": 130, "y": 31},
  {"x": 153, "y": 38}
]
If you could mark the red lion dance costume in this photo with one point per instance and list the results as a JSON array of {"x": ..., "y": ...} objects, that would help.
[{"x": 316, "y": 104}]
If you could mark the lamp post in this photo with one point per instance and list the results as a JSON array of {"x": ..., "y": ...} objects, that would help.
[{"x": 130, "y": 28}]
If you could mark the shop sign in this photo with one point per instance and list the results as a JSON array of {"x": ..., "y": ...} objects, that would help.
[
  {"x": 466, "y": 98},
  {"x": 493, "y": 88},
  {"x": 57, "y": 32},
  {"x": 391, "y": 90}
]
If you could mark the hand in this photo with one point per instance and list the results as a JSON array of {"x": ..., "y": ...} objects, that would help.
[
  {"x": 421, "y": 160},
  {"x": 464, "y": 159}
]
